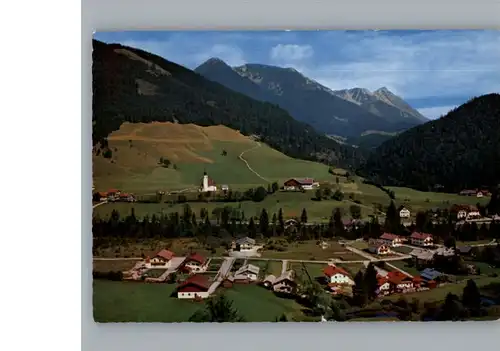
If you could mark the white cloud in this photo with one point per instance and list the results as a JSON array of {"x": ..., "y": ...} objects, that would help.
[
  {"x": 285, "y": 53},
  {"x": 416, "y": 66},
  {"x": 436, "y": 112}
]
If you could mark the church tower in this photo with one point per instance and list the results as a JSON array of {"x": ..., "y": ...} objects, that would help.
[{"x": 205, "y": 181}]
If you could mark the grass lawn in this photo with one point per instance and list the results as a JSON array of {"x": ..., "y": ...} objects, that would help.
[
  {"x": 485, "y": 268},
  {"x": 439, "y": 293},
  {"x": 308, "y": 250},
  {"x": 352, "y": 268},
  {"x": 257, "y": 304},
  {"x": 155, "y": 272},
  {"x": 115, "y": 265},
  {"x": 139, "y": 302},
  {"x": 402, "y": 249},
  {"x": 403, "y": 265}
]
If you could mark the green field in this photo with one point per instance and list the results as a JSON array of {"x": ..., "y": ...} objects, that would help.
[
  {"x": 139, "y": 302},
  {"x": 439, "y": 293},
  {"x": 416, "y": 200},
  {"x": 404, "y": 266}
]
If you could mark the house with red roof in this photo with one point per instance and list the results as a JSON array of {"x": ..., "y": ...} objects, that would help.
[
  {"x": 392, "y": 240},
  {"x": 379, "y": 247},
  {"x": 337, "y": 276},
  {"x": 126, "y": 197},
  {"x": 160, "y": 260},
  {"x": 421, "y": 239},
  {"x": 195, "y": 286},
  {"x": 384, "y": 287},
  {"x": 295, "y": 184},
  {"x": 195, "y": 263},
  {"x": 399, "y": 282}
]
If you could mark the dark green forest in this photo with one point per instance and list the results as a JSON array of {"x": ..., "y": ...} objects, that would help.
[
  {"x": 458, "y": 151},
  {"x": 177, "y": 94}
]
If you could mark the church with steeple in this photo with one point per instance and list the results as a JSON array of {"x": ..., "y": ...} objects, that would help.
[{"x": 207, "y": 184}]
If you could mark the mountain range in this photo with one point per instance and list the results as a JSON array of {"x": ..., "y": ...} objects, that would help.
[
  {"x": 132, "y": 85},
  {"x": 346, "y": 113}
]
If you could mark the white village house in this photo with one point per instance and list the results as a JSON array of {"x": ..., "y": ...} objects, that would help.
[
  {"x": 392, "y": 240},
  {"x": 421, "y": 239},
  {"x": 295, "y": 184},
  {"x": 404, "y": 213},
  {"x": 244, "y": 244},
  {"x": 248, "y": 272},
  {"x": 337, "y": 275}
]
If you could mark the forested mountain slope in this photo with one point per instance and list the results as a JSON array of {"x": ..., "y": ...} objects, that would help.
[
  {"x": 131, "y": 85},
  {"x": 460, "y": 150}
]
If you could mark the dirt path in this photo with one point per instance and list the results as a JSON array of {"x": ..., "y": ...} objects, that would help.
[
  {"x": 99, "y": 204},
  {"x": 248, "y": 166},
  {"x": 284, "y": 267}
]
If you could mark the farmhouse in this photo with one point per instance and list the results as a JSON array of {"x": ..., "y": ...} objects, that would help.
[
  {"x": 103, "y": 195},
  {"x": 421, "y": 239},
  {"x": 269, "y": 281},
  {"x": 207, "y": 184},
  {"x": 383, "y": 286},
  {"x": 194, "y": 263},
  {"x": 466, "y": 212},
  {"x": 392, "y": 240},
  {"x": 378, "y": 247},
  {"x": 126, "y": 197},
  {"x": 285, "y": 283},
  {"x": 248, "y": 272},
  {"x": 300, "y": 183},
  {"x": 336, "y": 275},
  {"x": 404, "y": 213},
  {"x": 196, "y": 286},
  {"x": 161, "y": 259},
  {"x": 244, "y": 244},
  {"x": 475, "y": 192},
  {"x": 399, "y": 282}
]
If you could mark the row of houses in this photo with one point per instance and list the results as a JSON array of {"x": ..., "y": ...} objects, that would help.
[
  {"x": 114, "y": 195},
  {"x": 475, "y": 192},
  {"x": 383, "y": 244}
]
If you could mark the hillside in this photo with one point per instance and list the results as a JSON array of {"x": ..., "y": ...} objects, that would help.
[
  {"x": 137, "y": 149},
  {"x": 131, "y": 85},
  {"x": 460, "y": 150},
  {"x": 307, "y": 100}
]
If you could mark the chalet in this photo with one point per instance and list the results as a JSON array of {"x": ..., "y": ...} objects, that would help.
[
  {"x": 399, "y": 282},
  {"x": 383, "y": 286},
  {"x": 476, "y": 193},
  {"x": 195, "y": 263},
  {"x": 350, "y": 224},
  {"x": 244, "y": 244},
  {"x": 421, "y": 239},
  {"x": 464, "y": 250},
  {"x": 285, "y": 283},
  {"x": 422, "y": 256},
  {"x": 465, "y": 212},
  {"x": 248, "y": 272},
  {"x": 103, "y": 195},
  {"x": 225, "y": 188},
  {"x": 404, "y": 213},
  {"x": 295, "y": 184},
  {"x": 196, "y": 286},
  {"x": 269, "y": 281},
  {"x": 391, "y": 240},
  {"x": 290, "y": 223},
  {"x": 126, "y": 197},
  {"x": 378, "y": 247},
  {"x": 336, "y": 275},
  {"x": 161, "y": 259},
  {"x": 207, "y": 184}
]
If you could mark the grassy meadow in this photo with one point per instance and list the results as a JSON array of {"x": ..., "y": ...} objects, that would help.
[{"x": 139, "y": 302}]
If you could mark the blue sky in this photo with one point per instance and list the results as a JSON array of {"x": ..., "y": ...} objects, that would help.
[{"x": 434, "y": 71}]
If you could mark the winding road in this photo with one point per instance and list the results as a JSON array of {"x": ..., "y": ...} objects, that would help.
[{"x": 248, "y": 166}]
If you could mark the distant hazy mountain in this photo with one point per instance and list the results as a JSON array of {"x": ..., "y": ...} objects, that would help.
[
  {"x": 383, "y": 103},
  {"x": 344, "y": 113}
]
